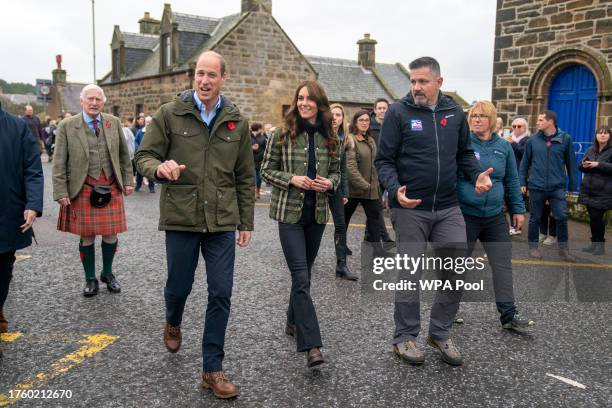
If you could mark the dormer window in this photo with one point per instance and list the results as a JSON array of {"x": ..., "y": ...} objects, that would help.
[{"x": 166, "y": 51}]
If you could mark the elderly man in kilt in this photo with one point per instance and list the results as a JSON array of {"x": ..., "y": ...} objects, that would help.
[{"x": 91, "y": 171}]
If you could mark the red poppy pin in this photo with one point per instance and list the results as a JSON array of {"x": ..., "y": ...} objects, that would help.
[
  {"x": 443, "y": 121},
  {"x": 107, "y": 124},
  {"x": 231, "y": 126}
]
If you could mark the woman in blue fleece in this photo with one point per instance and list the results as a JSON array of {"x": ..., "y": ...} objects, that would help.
[{"x": 483, "y": 213}]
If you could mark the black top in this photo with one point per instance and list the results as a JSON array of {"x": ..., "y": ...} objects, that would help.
[{"x": 310, "y": 198}]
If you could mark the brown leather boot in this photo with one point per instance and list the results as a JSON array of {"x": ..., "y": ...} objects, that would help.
[
  {"x": 567, "y": 256},
  {"x": 3, "y": 323},
  {"x": 220, "y": 385},
  {"x": 172, "y": 337}
]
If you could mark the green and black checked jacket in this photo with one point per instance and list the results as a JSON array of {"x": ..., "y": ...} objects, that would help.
[{"x": 283, "y": 161}]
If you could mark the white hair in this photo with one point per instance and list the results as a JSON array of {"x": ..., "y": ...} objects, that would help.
[
  {"x": 92, "y": 87},
  {"x": 522, "y": 121}
]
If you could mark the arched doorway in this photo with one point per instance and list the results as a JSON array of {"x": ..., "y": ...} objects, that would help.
[{"x": 573, "y": 96}]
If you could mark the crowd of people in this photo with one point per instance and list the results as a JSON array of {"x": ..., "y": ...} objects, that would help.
[{"x": 447, "y": 177}]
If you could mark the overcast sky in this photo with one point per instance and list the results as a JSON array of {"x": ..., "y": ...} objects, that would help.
[{"x": 459, "y": 33}]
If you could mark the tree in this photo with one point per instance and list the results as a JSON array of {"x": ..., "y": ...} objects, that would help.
[{"x": 17, "y": 87}]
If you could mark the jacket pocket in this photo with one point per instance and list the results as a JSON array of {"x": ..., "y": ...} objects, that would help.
[
  {"x": 227, "y": 207},
  {"x": 179, "y": 206}
]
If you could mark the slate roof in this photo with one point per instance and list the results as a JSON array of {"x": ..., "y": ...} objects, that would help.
[
  {"x": 196, "y": 34},
  {"x": 195, "y": 24},
  {"x": 395, "y": 77},
  {"x": 140, "y": 41},
  {"x": 346, "y": 81}
]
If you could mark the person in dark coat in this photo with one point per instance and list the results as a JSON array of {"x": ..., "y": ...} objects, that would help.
[
  {"x": 21, "y": 196},
  {"x": 596, "y": 187},
  {"x": 35, "y": 126}
]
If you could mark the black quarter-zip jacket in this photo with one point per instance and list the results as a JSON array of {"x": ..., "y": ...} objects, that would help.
[{"x": 422, "y": 149}]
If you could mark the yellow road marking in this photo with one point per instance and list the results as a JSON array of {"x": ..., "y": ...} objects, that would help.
[
  {"x": 92, "y": 345},
  {"x": 8, "y": 337},
  {"x": 22, "y": 257},
  {"x": 558, "y": 263}
]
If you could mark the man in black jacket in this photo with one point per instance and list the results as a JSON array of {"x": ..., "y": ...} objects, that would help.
[
  {"x": 21, "y": 196},
  {"x": 424, "y": 141}
]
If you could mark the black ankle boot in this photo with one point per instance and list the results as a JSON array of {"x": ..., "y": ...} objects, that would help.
[
  {"x": 342, "y": 271},
  {"x": 600, "y": 248},
  {"x": 589, "y": 248}
]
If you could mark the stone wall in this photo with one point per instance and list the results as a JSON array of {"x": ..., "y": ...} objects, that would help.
[
  {"x": 536, "y": 39},
  {"x": 150, "y": 92},
  {"x": 264, "y": 68}
]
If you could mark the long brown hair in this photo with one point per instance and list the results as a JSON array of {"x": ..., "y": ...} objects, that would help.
[
  {"x": 293, "y": 123},
  {"x": 344, "y": 125},
  {"x": 602, "y": 129},
  {"x": 353, "y": 126}
]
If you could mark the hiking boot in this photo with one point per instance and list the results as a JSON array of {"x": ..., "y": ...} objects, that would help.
[
  {"x": 541, "y": 237},
  {"x": 518, "y": 322},
  {"x": 3, "y": 322},
  {"x": 172, "y": 337},
  {"x": 549, "y": 240},
  {"x": 409, "y": 352},
  {"x": 450, "y": 353},
  {"x": 219, "y": 384}
]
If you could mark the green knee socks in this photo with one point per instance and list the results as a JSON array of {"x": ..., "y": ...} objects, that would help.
[
  {"x": 88, "y": 257},
  {"x": 108, "y": 254}
]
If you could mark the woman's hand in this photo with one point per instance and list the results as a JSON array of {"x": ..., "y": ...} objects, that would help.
[
  {"x": 322, "y": 184},
  {"x": 303, "y": 182},
  {"x": 587, "y": 164}
]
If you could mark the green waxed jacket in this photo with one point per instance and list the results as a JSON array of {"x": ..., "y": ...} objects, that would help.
[
  {"x": 216, "y": 190},
  {"x": 362, "y": 175},
  {"x": 283, "y": 161}
]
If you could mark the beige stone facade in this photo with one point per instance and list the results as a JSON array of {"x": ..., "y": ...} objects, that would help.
[{"x": 538, "y": 39}]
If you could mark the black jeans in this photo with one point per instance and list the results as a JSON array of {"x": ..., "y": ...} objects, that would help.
[
  {"x": 336, "y": 207},
  {"x": 373, "y": 211},
  {"x": 7, "y": 260},
  {"x": 598, "y": 226},
  {"x": 300, "y": 243},
  {"x": 493, "y": 234}
]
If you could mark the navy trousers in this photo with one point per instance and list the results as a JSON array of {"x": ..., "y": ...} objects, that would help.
[{"x": 183, "y": 252}]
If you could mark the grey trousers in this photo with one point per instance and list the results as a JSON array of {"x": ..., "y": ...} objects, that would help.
[{"x": 414, "y": 229}]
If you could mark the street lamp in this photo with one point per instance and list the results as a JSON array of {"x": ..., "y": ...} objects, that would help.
[{"x": 93, "y": 21}]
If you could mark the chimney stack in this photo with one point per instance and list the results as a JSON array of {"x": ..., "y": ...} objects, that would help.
[
  {"x": 58, "y": 75},
  {"x": 149, "y": 25},
  {"x": 256, "y": 5},
  {"x": 367, "y": 52}
]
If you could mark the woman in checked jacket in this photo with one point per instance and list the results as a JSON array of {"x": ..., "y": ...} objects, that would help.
[{"x": 301, "y": 162}]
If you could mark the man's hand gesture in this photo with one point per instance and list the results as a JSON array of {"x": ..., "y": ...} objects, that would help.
[
  {"x": 170, "y": 170},
  {"x": 405, "y": 201},
  {"x": 483, "y": 182}
]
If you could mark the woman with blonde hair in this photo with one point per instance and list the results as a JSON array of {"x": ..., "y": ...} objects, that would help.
[
  {"x": 484, "y": 213},
  {"x": 302, "y": 164}
]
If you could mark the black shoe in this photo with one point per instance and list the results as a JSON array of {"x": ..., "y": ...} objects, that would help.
[
  {"x": 590, "y": 248},
  {"x": 112, "y": 284},
  {"x": 518, "y": 322},
  {"x": 389, "y": 245},
  {"x": 91, "y": 288},
  {"x": 348, "y": 251},
  {"x": 342, "y": 271},
  {"x": 600, "y": 248},
  {"x": 290, "y": 329}
]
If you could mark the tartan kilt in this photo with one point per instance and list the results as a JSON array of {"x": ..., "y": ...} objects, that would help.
[{"x": 82, "y": 219}]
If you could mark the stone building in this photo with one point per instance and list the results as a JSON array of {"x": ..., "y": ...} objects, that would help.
[
  {"x": 555, "y": 54},
  {"x": 150, "y": 67},
  {"x": 65, "y": 96}
]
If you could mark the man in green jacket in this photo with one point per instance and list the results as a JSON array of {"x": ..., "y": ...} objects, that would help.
[{"x": 199, "y": 148}]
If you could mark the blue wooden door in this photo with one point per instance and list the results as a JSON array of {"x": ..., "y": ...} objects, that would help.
[{"x": 573, "y": 96}]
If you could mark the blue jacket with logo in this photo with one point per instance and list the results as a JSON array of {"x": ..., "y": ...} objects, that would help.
[
  {"x": 543, "y": 168},
  {"x": 496, "y": 153},
  {"x": 422, "y": 150}
]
